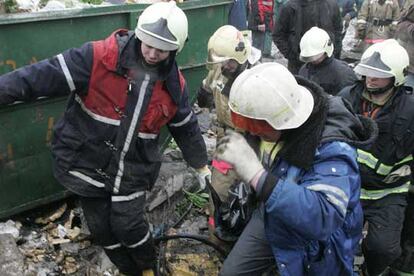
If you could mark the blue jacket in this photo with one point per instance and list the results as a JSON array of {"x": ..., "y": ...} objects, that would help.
[
  {"x": 238, "y": 14},
  {"x": 313, "y": 218}
]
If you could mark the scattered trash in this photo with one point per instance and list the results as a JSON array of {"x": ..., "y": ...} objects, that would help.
[
  {"x": 58, "y": 242},
  {"x": 52, "y": 216}
]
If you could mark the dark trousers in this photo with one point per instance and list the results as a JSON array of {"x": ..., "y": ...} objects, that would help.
[
  {"x": 120, "y": 227},
  {"x": 385, "y": 217},
  {"x": 258, "y": 40},
  {"x": 406, "y": 261},
  {"x": 251, "y": 255}
]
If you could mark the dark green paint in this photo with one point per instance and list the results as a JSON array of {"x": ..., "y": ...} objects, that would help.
[{"x": 26, "y": 179}]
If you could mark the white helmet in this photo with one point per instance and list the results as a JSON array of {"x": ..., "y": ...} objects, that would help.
[
  {"x": 385, "y": 59},
  {"x": 164, "y": 26},
  {"x": 270, "y": 92},
  {"x": 314, "y": 43},
  {"x": 228, "y": 43}
]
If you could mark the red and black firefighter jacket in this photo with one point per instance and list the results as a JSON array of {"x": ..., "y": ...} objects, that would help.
[{"x": 107, "y": 140}]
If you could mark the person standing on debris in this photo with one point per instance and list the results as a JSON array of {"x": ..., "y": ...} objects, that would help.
[
  {"x": 229, "y": 54},
  {"x": 320, "y": 66},
  {"x": 310, "y": 219},
  {"x": 260, "y": 22},
  {"x": 386, "y": 166},
  {"x": 123, "y": 89},
  {"x": 377, "y": 21}
]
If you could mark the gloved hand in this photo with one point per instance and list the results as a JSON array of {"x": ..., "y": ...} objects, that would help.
[
  {"x": 234, "y": 149},
  {"x": 203, "y": 174},
  {"x": 205, "y": 98}
]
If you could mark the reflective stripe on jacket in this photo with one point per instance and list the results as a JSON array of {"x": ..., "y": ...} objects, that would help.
[
  {"x": 386, "y": 166},
  {"x": 314, "y": 218},
  {"x": 107, "y": 140}
]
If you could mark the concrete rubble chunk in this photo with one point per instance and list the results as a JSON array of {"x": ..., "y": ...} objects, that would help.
[
  {"x": 10, "y": 227},
  {"x": 174, "y": 184},
  {"x": 11, "y": 260}
]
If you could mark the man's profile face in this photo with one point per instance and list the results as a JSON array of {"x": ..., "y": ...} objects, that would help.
[
  {"x": 372, "y": 82},
  {"x": 229, "y": 68},
  {"x": 153, "y": 55}
]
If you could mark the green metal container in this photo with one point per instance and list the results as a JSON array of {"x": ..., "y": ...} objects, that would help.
[{"x": 26, "y": 179}]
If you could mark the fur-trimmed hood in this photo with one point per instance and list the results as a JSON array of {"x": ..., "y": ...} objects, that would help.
[{"x": 332, "y": 119}]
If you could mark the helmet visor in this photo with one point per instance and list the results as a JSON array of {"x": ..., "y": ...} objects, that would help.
[
  {"x": 372, "y": 72},
  {"x": 251, "y": 125},
  {"x": 157, "y": 35},
  {"x": 311, "y": 58},
  {"x": 374, "y": 67}
]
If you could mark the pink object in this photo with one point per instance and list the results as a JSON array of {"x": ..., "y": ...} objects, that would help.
[{"x": 221, "y": 166}]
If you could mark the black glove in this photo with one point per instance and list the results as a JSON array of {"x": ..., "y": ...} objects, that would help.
[{"x": 205, "y": 98}]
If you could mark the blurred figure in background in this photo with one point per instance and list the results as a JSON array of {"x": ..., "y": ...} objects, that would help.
[
  {"x": 405, "y": 36},
  {"x": 260, "y": 22},
  {"x": 377, "y": 21},
  {"x": 238, "y": 14}
]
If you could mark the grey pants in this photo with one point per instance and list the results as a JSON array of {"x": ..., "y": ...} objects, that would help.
[{"x": 251, "y": 255}]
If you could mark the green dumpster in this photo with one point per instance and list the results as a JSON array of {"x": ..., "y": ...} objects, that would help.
[{"x": 26, "y": 179}]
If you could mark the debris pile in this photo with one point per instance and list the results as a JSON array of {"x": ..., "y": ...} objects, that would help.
[{"x": 55, "y": 240}]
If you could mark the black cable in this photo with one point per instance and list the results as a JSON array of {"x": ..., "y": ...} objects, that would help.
[
  {"x": 200, "y": 238},
  {"x": 180, "y": 219}
]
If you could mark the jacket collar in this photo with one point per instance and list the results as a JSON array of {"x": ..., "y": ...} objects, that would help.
[{"x": 123, "y": 54}]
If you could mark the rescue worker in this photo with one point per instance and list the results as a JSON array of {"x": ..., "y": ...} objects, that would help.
[
  {"x": 377, "y": 21},
  {"x": 297, "y": 17},
  {"x": 320, "y": 66},
  {"x": 229, "y": 54},
  {"x": 310, "y": 218},
  {"x": 348, "y": 10},
  {"x": 260, "y": 22},
  {"x": 405, "y": 36},
  {"x": 386, "y": 166},
  {"x": 123, "y": 89}
]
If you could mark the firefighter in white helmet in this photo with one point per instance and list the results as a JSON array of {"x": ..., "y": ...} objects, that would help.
[
  {"x": 105, "y": 147},
  {"x": 320, "y": 66},
  {"x": 229, "y": 53},
  {"x": 386, "y": 166},
  {"x": 304, "y": 171}
]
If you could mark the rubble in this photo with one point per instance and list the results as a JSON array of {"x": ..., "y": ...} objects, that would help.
[
  {"x": 56, "y": 241},
  {"x": 11, "y": 262},
  {"x": 10, "y": 227}
]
